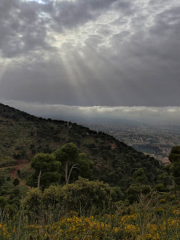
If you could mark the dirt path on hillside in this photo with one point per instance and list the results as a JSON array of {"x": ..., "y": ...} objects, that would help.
[
  {"x": 113, "y": 145},
  {"x": 17, "y": 167}
]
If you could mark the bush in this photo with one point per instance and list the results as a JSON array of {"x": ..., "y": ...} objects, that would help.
[
  {"x": 83, "y": 196},
  {"x": 16, "y": 182}
]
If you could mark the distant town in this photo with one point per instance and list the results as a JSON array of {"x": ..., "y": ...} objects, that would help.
[{"x": 155, "y": 141}]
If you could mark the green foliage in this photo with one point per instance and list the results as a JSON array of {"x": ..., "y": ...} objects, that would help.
[
  {"x": 140, "y": 176},
  {"x": 160, "y": 187},
  {"x": 25, "y": 135},
  {"x": 135, "y": 190},
  {"x": 47, "y": 167},
  {"x": 154, "y": 216},
  {"x": 3, "y": 202},
  {"x": 2, "y": 180},
  {"x": 73, "y": 162},
  {"x": 45, "y": 162},
  {"x": 68, "y": 153},
  {"x": 62, "y": 165},
  {"x": 117, "y": 194},
  {"x": 85, "y": 166},
  {"x": 174, "y": 157},
  {"x": 16, "y": 182},
  {"x": 33, "y": 203},
  {"x": 83, "y": 196}
]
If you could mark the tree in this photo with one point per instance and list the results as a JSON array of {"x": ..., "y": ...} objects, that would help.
[
  {"x": 2, "y": 180},
  {"x": 140, "y": 176},
  {"x": 33, "y": 203},
  {"x": 135, "y": 190},
  {"x": 138, "y": 186},
  {"x": 47, "y": 170},
  {"x": 74, "y": 164},
  {"x": 174, "y": 157},
  {"x": 3, "y": 203},
  {"x": 85, "y": 166},
  {"x": 63, "y": 164},
  {"x": 16, "y": 182}
]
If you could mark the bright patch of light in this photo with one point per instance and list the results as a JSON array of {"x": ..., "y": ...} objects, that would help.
[{"x": 38, "y": 1}]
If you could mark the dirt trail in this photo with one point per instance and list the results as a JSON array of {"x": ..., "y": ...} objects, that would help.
[
  {"x": 113, "y": 145},
  {"x": 17, "y": 167}
]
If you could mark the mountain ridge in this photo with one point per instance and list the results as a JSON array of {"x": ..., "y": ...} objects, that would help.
[{"x": 24, "y": 135}]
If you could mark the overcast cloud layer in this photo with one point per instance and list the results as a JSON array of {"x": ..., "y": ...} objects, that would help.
[
  {"x": 102, "y": 114},
  {"x": 90, "y": 53}
]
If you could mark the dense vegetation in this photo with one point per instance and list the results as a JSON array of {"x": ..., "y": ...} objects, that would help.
[
  {"x": 61, "y": 180},
  {"x": 155, "y": 216},
  {"x": 23, "y": 136}
]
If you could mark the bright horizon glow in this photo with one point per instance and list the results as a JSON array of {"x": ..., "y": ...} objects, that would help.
[
  {"x": 139, "y": 114},
  {"x": 38, "y": 1}
]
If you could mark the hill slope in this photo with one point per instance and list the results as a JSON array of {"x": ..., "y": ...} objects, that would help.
[{"x": 24, "y": 135}]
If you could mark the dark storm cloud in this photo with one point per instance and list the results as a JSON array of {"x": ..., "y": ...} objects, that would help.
[
  {"x": 90, "y": 53},
  {"x": 24, "y": 25},
  {"x": 163, "y": 38},
  {"x": 69, "y": 14},
  {"x": 21, "y": 29}
]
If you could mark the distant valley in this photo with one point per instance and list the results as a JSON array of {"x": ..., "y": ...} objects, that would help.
[{"x": 156, "y": 141}]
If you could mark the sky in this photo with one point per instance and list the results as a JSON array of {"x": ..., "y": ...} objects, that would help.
[{"x": 92, "y": 59}]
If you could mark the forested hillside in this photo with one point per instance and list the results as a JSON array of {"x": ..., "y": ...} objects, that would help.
[{"x": 24, "y": 135}]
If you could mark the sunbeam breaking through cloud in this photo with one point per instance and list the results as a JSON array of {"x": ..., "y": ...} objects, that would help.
[{"x": 90, "y": 53}]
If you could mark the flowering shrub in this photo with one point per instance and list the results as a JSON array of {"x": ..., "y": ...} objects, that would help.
[
  {"x": 112, "y": 227},
  {"x": 4, "y": 234}
]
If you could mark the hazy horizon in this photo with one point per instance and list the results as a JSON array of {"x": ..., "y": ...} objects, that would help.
[{"x": 99, "y": 114}]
